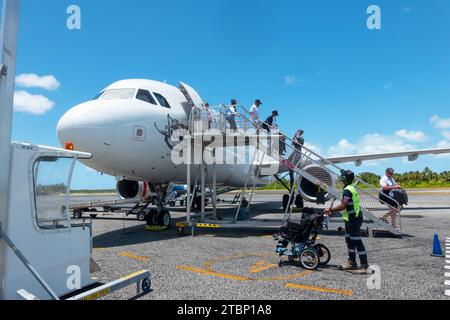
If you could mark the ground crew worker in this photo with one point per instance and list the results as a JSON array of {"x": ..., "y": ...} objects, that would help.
[{"x": 353, "y": 217}]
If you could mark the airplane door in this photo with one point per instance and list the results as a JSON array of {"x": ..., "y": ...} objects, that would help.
[{"x": 192, "y": 96}]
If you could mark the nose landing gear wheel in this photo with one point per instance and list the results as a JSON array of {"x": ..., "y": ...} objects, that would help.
[
  {"x": 309, "y": 258},
  {"x": 164, "y": 219},
  {"x": 152, "y": 217}
]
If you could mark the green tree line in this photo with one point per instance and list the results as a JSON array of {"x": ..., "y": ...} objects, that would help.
[{"x": 412, "y": 179}]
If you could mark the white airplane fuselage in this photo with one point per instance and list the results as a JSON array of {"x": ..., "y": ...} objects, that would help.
[{"x": 130, "y": 138}]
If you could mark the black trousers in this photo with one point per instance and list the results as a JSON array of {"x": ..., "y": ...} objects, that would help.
[{"x": 354, "y": 241}]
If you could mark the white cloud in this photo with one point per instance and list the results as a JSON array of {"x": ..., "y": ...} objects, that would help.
[
  {"x": 371, "y": 143},
  {"x": 414, "y": 136},
  {"x": 314, "y": 148},
  {"x": 446, "y": 134},
  {"x": 371, "y": 164},
  {"x": 29, "y": 103},
  {"x": 31, "y": 80},
  {"x": 290, "y": 80},
  {"x": 439, "y": 123},
  {"x": 444, "y": 144},
  {"x": 344, "y": 147}
]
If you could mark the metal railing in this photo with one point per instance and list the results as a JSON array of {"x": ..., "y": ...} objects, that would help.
[{"x": 298, "y": 158}]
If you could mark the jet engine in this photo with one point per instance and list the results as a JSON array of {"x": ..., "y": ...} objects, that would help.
[
  {"x": 308, "y": 190},
  {"x": 128, "y": 189}
]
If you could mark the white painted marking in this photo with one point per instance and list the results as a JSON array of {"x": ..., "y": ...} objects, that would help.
[
  {"x": 447, "y": 282},
  {"x": 447, "y": 274},
  {"x": 447, "y": 293},
  {"x": 447, "y": 267}
]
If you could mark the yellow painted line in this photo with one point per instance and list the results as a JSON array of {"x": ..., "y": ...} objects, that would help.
[
  {"x": 267, "y": 236},
  {"x": 213, "y": 273},
  {"x": 320, "y": 289},
  {"x": 181, "y": 224},
  {"x": 134, "y": 256},
  {"x": 261, "y": 265},
  {"x": 284, "y": 278}
]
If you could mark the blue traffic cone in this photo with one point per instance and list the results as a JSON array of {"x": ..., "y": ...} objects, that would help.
[{"x": 437, "y": 250}]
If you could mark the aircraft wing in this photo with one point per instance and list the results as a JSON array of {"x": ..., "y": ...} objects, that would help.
[{"x": 412, "y": 155}]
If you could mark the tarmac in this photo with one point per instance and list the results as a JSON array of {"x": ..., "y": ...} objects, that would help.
[{"x": 242, "y": 264}]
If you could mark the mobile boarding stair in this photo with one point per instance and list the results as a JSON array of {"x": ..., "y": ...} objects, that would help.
[{"x": 306, "y": 164}]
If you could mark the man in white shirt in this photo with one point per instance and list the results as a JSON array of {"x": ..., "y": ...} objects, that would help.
[
  {"x": 388, "y": 185},
  {"x": 254, "y": 112}
]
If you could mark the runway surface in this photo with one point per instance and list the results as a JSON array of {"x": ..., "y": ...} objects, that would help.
[{"x": 242, "y": 264}]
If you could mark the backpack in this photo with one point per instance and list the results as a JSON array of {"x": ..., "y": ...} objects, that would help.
[{"x": 400, "y": 196}]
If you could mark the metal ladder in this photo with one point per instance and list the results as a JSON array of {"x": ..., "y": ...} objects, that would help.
[{"x": 306, "y": 163}]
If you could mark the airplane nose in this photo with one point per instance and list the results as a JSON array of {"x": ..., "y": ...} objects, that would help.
[{"x": 88, "y": 127}]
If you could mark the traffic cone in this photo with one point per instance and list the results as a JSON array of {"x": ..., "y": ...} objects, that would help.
[{"x": 437, "y": 250}]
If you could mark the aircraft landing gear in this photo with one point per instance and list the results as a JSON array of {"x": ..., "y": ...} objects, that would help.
[{"x": 160, "y": 216}]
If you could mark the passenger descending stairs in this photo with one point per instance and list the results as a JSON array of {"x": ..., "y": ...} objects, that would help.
[{"x": 310, "y": 166}]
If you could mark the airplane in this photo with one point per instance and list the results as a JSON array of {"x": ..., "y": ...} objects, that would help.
[{"x": 128, "y": 126}]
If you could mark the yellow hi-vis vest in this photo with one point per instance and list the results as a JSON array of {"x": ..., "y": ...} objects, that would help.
[{"x": 356, "y": 204}]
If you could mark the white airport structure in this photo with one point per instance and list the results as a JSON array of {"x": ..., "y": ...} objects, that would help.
[{"x": 43, "y": 254}]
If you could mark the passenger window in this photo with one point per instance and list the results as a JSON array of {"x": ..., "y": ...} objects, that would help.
[
  {"x": 146, "y": 96},
  {"x": 51, "y": 175},
  {"x": 162, "y": 101}
]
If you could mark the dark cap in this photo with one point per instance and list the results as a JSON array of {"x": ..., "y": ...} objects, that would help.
[
  {"x": 390, "y": 170},
  {"x": 233, "y": 101},
  {"x": 275, "y": 112},
  {"x": 347, "y": 177},
  {"x": 258, "y": 101}
]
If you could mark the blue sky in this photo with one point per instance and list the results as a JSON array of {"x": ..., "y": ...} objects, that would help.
[{"x": 353, "y": 90}]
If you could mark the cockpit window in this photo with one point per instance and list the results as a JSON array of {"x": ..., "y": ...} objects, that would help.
[
  {"x": 146, "y": 96},
  {"x": 162, "y": 101},
  {"x": 98, "y": 95},
  {"x": 113, "y": 94}
]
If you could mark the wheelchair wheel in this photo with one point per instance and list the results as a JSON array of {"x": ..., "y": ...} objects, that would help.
[
  {"x": 309, "y": 258},
  {"x": 324, "y": 254}
]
